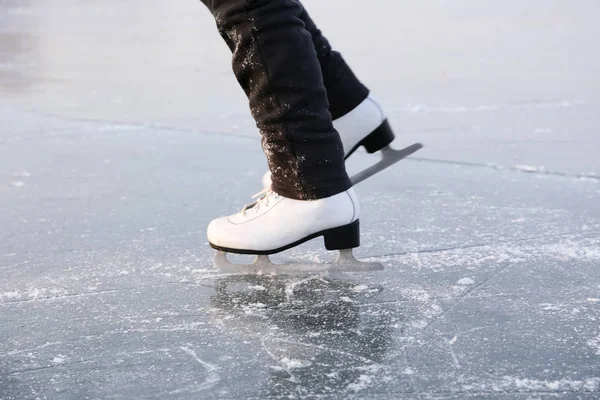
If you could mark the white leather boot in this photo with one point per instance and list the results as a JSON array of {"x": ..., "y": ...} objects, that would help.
[{"x": 276, "y": 223}]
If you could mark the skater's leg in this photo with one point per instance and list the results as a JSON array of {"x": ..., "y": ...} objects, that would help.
[
  {"x": 344, "y": 90},
  {"x": 275, "y": 62},
  {"x": 357, "y": 116}
]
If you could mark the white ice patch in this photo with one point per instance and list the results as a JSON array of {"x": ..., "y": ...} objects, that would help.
[
  {"x": 254, "y": 309},
  {"x": 595, "y": 345},
  {"x": 549, "y": 307},
  {"x": 59, "y": 359},
  {"x": 369, "y": 377},
  {"x": 593, "y": 300},
  {"x": 511, "y": 383},
  {"x": 568, "y": 249},
  {"x": 18, "y": 183},
  {"x": 10, "y": 295},
  {"x": 290, "y": 363},
  {"x": 33, "y": 293},
  {"x": 363, "y": 382},
  {"x": 257, "y": 287},
  {"x": 466, "y": 281},
  {"x": 529, "y": 168},
  {"x": 360, "y": 288},
  {"x": 563, "y": 384}
]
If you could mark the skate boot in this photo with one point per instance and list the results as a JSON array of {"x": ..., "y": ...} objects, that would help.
[
  {"x": 275, "y": 223},
  {"x": 367, "y": 126}
]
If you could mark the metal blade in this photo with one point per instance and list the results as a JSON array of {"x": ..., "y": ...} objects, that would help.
[
  {"x": 389, "y": 157},
  {"x": 262, "y": 265}
]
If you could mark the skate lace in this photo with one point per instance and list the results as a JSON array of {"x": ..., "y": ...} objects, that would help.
[{"x": 263, "y": 199}]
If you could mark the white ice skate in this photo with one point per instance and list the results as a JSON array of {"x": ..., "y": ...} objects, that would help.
[
  {"x": 367, "y": 126},
  {"x": 275, "y": 223}
]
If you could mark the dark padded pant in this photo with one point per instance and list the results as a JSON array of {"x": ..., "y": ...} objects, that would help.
[{"x": 296, "y": 84}]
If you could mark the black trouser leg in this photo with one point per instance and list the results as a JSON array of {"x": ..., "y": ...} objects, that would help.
[
  {"x": 276, "y": 64},
  {"x": 344, "y": 90}
]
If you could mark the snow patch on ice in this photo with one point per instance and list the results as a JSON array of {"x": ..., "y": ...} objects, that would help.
[
  {"x": 568, "y": 250},
  {"x": 257, "y": 287},
  {"x": 549, "y": 307},
  {"x": 363, "y": 382},
  {"x": 595, "y": 344},
  {"x": 291, "y": 287},
  {"x": 582, "y": 250},
  {"x": 466, "y": 281},
  {"x": 32, "y": 294},
  {"x": 290, "y": 363},
  {"x": 360, "y": 288},
  {"x": 254, "y": 309},
  {"x": 511, "y": 383},
  {"x": 10, "y": 295},
  {"x": 417, "y": 294},
  {"x": 18, "y": 183},
  {"x": 529, "y": 168},
  {"x": 59, "y": 359},
  {"x": 593, "y": 300},
  {"x": 371, "y": 372}
]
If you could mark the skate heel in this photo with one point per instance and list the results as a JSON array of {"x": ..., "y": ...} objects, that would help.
[
  {"x": 379, "y": 138},
  {"x": 343, "y": 237}
]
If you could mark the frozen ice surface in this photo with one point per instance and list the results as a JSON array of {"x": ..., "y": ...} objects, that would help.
[{"x": 123, "y": 132}]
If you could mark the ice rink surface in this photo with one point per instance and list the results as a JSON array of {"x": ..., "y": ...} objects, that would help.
[{"x": 123, "y": 133}]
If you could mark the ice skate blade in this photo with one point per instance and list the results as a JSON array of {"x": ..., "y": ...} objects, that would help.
[
  {"x": 262, "y": 265},
  {"x": 389, "y": 157}
]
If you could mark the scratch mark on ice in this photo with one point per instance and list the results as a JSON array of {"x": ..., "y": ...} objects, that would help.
[
  {"x": 466, "y": 295},
  {"x": 291, "y": 378},
  {"x": 450, "y": 342},
  {"x": 212, "y": 378}
]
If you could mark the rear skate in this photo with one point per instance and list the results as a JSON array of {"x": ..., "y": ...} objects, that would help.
[
  {"x": 275, "y": 223},
  {"x": 366, "y": 126}
]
